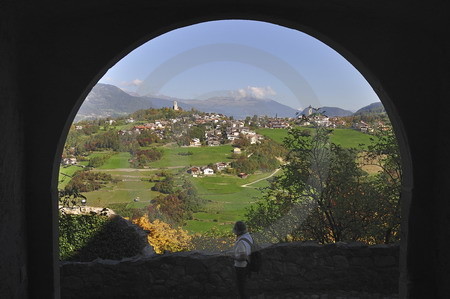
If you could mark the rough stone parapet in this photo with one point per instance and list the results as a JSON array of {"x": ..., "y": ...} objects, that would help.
[{"x": 297, "y": 270}]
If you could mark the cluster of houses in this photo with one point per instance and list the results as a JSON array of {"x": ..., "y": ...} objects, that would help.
[
  {"x": 366, "y": 128},
  {"x": 235, "y": 131},
  {"x": 157, "y": 127},
  {"x": 69, "y": 161},
  {"x": 196, "y": 171},
  {"x": 277, "y": 124},
  {"x": 318, "y": 120}
]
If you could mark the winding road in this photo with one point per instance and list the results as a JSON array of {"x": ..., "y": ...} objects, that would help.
[{"x": 265, "y": 178}]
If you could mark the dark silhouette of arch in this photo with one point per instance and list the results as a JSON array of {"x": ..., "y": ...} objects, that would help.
[{"x": 53, "y": 55}]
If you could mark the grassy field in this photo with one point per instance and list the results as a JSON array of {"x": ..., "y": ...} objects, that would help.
[
  {"x": 350, "y": 138},
  {"x": 276, "y": 135},
  {"x": 122, "y": 192},
  {"x": 227, "y": 200},
  {"x": 344, "y": 137},
  {"x": 200, "y": 156},
  {"x": 119, "y": 160},
  {"x": 66, "y": 172},
  {"x": 225, "y": 196}
]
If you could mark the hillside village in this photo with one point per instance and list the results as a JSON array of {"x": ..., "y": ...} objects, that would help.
[
  {"x": 220, "y": 129},
  {"x": 201, "y": 129}
]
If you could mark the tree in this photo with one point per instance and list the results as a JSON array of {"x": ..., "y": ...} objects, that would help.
[
  {"x": 142, "y": 157},
  {"x": 166, "y": 186},
  {"x": 189, "y": 196},
  {"x": 242, "y": 141},
  {"x": 86, "y": 181},
  {"x": 322, "y": 194},
  {"x": 384, "y": 153},
  {"x": 171, "y": 207},
  {"x": 197, "y": 132}
]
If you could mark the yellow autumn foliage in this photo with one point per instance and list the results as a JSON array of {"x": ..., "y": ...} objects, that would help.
[{"x": 162, "y": 237}]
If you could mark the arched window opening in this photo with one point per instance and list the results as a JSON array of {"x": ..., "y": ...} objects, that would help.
[{"x": 214, "y": 123}]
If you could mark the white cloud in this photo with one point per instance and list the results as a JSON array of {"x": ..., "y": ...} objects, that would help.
[
  {"x": 135, "y": 82},
  {"x": 256, "y": 92},
  {"x": 107, "y": 79}
]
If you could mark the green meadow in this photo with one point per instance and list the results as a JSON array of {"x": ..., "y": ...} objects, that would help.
[
  {"x": 227, "y": 196},
  {"x": 276, "y": 135},
  {"x": 343, "y": 137},
  {"x": 350, "y": 138},
  {"x": 173, "y": 156},
  {"x": 119, "y": 160},
  {"x": 66, "y": 173},
  {"x": 227, "y": 200},
  {"x": 123, "y": 192}
]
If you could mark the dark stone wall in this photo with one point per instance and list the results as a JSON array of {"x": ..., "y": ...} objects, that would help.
[
  {"x": 13, "y": 269},
  {"x": 53, "y": 52},
  {"x": 294, "y": 267}
]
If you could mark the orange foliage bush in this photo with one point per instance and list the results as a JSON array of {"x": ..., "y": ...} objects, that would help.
[{"x": 163, "y": 237}]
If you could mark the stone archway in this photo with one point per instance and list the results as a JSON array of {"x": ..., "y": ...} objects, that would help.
[
  {"x": 372, "y": 80},
  {"x": 70, "y": 45}
]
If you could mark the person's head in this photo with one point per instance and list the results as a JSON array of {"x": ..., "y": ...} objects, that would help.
[{"x": 239, "y": 228}]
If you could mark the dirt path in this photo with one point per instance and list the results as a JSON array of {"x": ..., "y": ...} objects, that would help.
[{"x": 265, "y": 178}]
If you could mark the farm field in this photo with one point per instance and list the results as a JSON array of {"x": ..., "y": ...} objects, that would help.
[
  {"x": 119, "y": 160},
  {"x": 200, "y": 156},
  {"x": 343, "y": 137},
  {"x": 350, "y": 138},
  {"x": 66, "y": 172},
  {"x": 225, "y": 196},
  {"x": 122, "y": 192},
  {"x": 226, "y": 199}
]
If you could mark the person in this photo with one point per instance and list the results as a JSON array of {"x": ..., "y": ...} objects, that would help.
[{"x": 242, "y": 251}]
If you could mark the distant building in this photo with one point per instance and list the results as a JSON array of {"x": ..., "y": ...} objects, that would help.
[
  {"x": 194, "y": 171},
  {"x": 213, "y": 143},
  {"x": 195, "y": 142},
  {"x": 175, "y": 105},
  {"x": 69, "y": 161},
  {"x": 221, "y": 166},
  {"x": 243, "y": 175},
  {"x": 208, "y": 171}
]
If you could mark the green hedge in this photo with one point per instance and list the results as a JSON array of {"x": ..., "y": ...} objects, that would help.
[{"x": 88, "y": 237}]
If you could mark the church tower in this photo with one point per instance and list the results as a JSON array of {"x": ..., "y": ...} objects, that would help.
[{"x": 175, "y": 105}]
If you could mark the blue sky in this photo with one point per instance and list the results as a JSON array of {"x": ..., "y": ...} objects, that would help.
[{"x": 248, "y": 57}]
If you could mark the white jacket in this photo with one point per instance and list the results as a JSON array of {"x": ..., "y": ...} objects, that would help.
[{"x": 242, "y": 247}]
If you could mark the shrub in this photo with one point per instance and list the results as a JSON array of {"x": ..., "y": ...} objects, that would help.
[
  {"x": 88, "y": 237},
  {"x": 163, "y": 237},
  {"x": 85, "y": 181},
  {"x": 188, "y": 153}
]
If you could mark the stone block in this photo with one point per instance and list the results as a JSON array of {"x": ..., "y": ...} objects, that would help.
[
  {"x": 340, "y": 261},
  {"x": 384, "y": 261},
  {"x": 361, "y": 261}
]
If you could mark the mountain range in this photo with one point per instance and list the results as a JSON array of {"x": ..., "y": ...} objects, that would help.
[
  {"x": 372, "y": 108},
  {"x": 330, "y": 111},
  {"x": 106, "y": 100}
]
